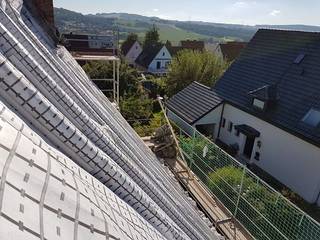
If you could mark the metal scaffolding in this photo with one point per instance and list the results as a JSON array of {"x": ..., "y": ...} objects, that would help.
[
  {"x": 103, "y": 48},
  {"x": 115, "y": 80}
]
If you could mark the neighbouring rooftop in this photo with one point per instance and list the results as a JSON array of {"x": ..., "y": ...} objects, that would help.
[
  {"x": 273, "y": 66},
  {"x": 194, "y": 102}
]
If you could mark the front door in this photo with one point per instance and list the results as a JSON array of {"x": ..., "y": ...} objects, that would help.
[{"x": 248, "y": 148}]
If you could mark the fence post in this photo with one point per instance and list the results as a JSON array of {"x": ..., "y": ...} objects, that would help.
[
  {"x": 192, "y": 147},
  {"x": 240, "y": 191}
]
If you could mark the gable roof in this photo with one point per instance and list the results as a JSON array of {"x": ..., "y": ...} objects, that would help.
[
  {"x": 231, "y": 50},
  {"x": 194, "y": 102},
  {"x": 126, "y": 46},
  {"x": 147, "y": 55},
  {"x": 269, "y": 59}
]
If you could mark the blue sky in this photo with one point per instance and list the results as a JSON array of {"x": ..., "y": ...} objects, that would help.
[{"x": 227, "y": 11}]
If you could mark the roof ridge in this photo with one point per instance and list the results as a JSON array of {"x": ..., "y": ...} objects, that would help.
[{"x": 200, "y": 84}]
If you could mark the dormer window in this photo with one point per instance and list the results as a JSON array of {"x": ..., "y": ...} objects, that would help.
[
  {"x": 258, "y": 104},
  {"x": 312, "y": 118}
]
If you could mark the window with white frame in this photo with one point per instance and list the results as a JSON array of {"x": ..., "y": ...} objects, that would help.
[
  {"x": 258, "y": 104},
  {"x": 312, "y": 118}
]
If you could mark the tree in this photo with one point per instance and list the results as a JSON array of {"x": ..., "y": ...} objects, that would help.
[
  {"x": 129, "y": 76},
  {"x": 152, "y": 38},
  {"x": 168, "y": 44},
  {"x": 188, "y": 66},
  {"x": 136, "y": 106}
]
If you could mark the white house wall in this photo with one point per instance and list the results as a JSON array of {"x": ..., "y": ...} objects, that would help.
[
  {"x": 180, "y": 122},
  {"x": 289, "y": 159},
  {"x": 134, "y": 53},
  {"x": 212, "y": 118},
  {"x": 164, "y": 57}
]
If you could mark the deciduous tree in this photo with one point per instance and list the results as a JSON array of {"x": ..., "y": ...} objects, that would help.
[{"x": 188, "y": 66}]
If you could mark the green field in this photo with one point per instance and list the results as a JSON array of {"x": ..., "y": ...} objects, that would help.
[{"x": 175, "y": 35}]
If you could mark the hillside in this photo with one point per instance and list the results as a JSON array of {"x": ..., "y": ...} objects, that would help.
[{"x": 174, "y": 31}]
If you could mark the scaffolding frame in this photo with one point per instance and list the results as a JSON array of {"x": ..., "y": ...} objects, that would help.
[
  {"x": 93, "y": 54},
  {"x": 115, "y": 73}
]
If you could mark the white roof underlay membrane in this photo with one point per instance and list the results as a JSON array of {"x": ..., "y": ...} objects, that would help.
[{"x": 71, "y": 167}]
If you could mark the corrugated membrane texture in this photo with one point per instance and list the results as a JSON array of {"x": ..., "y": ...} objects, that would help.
[{"x": 52, "y": 94}]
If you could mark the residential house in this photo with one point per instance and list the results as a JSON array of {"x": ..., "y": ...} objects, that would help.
[
  {"x": 229, "y": 51},
  {"x": 187, "y": 44},
  {"x": 131, "y": 51},
  {"x": 271, "y": 108},
  {"x": 84, "y": 43},
  {"x": 155, "y": 60},
  {"x": 205, "y": 117},
  {"x": 193, "y": 45}
]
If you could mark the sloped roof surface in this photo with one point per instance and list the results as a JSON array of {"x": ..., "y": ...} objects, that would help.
[
  {"x": 71, "y": 167},
  {"x": 231, "y": 50},
  {"x": 193, "y": 45},
  {"x": 175, "y": 49},
  {"x": 194, "y": 102},
  {"x": 126, "y": 46},
  {"x": 269, "y": 59},
  {"x": 147, "y": 55}
]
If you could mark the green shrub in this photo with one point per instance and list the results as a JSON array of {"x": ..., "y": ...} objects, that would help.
[{"x": 148, "y": 128}]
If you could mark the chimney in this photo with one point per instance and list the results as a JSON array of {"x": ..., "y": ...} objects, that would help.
[{"x": 45, "y": 10}]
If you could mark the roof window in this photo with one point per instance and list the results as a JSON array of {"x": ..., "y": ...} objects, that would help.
[
  {"x": 312, "y": 118},
  {"x": 258, "y": 104},
  {"x": 299, "y": 58}
]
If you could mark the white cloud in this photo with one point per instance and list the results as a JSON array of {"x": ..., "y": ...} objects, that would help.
[
  {"x": 155, "y": 10},
  {"x": 239, "y": 4},
  {"x": 242, "y": 3},
  {"x": 275, "y": 12}
]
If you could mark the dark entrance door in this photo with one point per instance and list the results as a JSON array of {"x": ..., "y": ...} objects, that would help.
[{"x": 248, "y": 147}]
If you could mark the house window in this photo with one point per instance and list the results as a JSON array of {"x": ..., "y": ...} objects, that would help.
[
  {"x": 230, "y": 126},
  {"x": 158, "y": 65},
  {"x": 258, "y": 104},
  {"x": 167, "y": 64},
  {"x": 312, "y": 118},
  {"x": 163, "y": 54},
  {"x": 223, "y": 124}
]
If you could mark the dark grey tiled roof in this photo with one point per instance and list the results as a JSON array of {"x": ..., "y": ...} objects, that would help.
[
  {"x": 193, "y": 102},
  {"x": 147, "y": 55},
  {"x": 269, "y": 60}
]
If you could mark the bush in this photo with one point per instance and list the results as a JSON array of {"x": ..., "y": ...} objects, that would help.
[
  {"x": 133, "y": 108},
  {"x": 148, "y": 128},
  {"x": 188, "y": 66}
]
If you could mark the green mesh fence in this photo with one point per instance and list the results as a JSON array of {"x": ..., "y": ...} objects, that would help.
[{"x": 264, "y": 212}]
